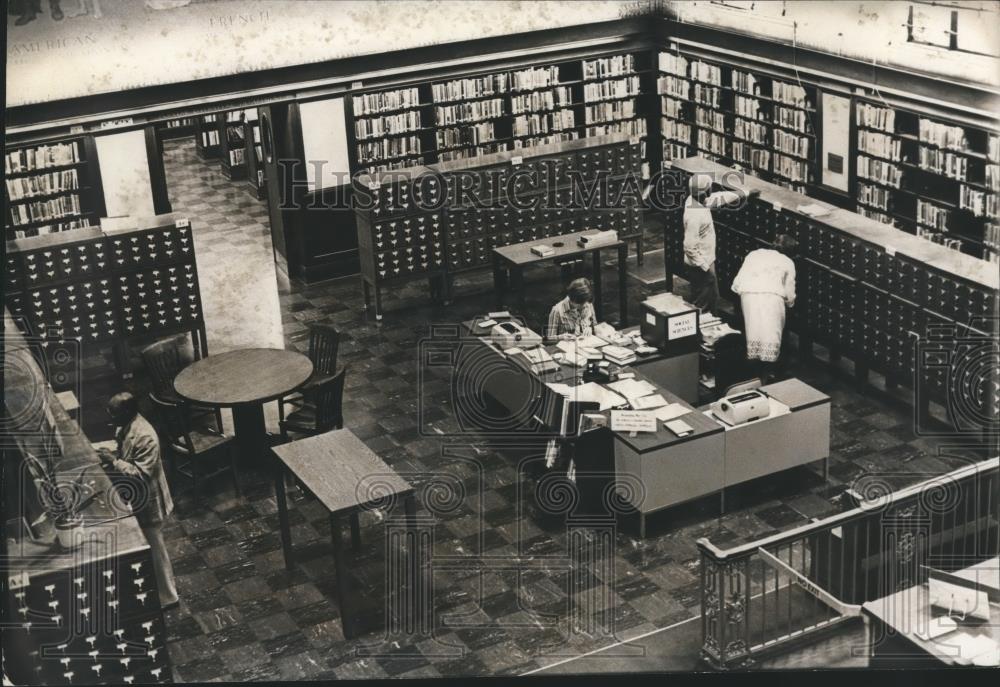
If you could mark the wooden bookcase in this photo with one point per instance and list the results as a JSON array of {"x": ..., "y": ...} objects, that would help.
[
  {"x": 254, "y": 155},
  {"x": 207, "y": 140},
  {"x": 176, "y": 128},
  {"x": 232, "y": 142},
  {"x": 52, "y": 187}
]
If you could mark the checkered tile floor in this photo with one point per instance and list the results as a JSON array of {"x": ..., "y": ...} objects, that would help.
[{"x": 508, "y": 592}]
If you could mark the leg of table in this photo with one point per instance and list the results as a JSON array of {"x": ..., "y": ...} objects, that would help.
[
  {"x": 340, "y": 570},
  {"x": 283, "y": 523},
  {"x": 251, "y": 435},
  {"x": 623, "y": 285},
  {"x": 378, "y": 303},
  {"x": 499, "y": 281},
  {"x": 642, "y": 525},
  {"x": 598, "y": 286},
  {"x": 640, "y": 250},
  {"x": 355, "y": 531},
  {"x": 368, "y": 295},
  {"x": 517, "y": 276}
]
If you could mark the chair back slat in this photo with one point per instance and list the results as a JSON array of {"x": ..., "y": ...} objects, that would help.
[
  {"x": 163, "y": 361},
  {"x": 175, "y": 422},
  {"x": 324, "y": 342},
  {"x": 330, "y": 402}
]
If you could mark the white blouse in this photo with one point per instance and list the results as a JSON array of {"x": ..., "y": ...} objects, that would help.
[
  {"x": 699, "y": 229},
  {"x": 767, "y": 271}
]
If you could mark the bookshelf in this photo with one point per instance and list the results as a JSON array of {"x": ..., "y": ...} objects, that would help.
[
  {"x": 232, "y": 142},
  {"x": 763, "y": 124},
  {"x": 389, "y": 129},
  {"x": 254, "y": 155},
  {"x": 207, "y": 137},
  {"x": 51, "y": 188},
  {"x": 930, "y": 177},
  {"x": 177, "y": 128}
]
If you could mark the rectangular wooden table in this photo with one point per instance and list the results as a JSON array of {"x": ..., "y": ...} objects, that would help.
[
  {"x": 345, "y": 476},
  {"x": 515, "y": 258}
]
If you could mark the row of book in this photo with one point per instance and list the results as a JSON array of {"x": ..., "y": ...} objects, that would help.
[
  {"x": 980, "y": 203},
  {"x": 757, "y": 158},
  {"x": 744, "y": 82},
  {"x": 875, "y": 117},
  {"x": 939, "y": 237},
  {"x": 630, "y": 127},
  {"x": 393, "y": 164},
  {"x": 676, "y": 130},
  {"x": 671, "y": 108},
  {"x": 466, "y": 135},
  {"x": 791, "y": 168},
  {"x": 931, "y": 215},
  {"x": 538, "y": 77},
  {"x": 944, "y": 162},
  {"x": 611, "y": 111},
  {"x": 386, "y": 101},
  {"x": 710, "y": 119},
  {"x": 607, "y": 90},
  {"x": 30, "y": 159},
  {"x": 209, "y": 138},
  {"x": 389, "y": 125},
  {"x": 546, "y": 140},
  {"x": 541, "y": 100},
  {"x": 673, "y": 63},
  {"x": 747, "y": 107},
  {"x": 709, "y": 73},
  {"x": 992, "y": 177},
  {"x": 236, "y": 157},
  {"x": 748, "y": 130},
  {"x": 707, "y": 95},
  {"x": 993, "y": 148},
  {"x": 388, "y": 147},
  {"x": 942, "y": 135},
  {"x": 42, "y": 210},
  {"x": 991, "y": 235},
  {"x": 786, "y": 142},
  {"x": 462, "y": 153},
  {"x": 534, "y": 124},
  {"x": 874, "y": 196},
  {"x": 711, "y": 142},
  {"x": 20, "y": 188},
  {"x": 789, "y": 94},
  {"x": 876, "y": 215},
  {"x": 792, "y": 119},
  {"x": 476, "y": 87},
  {"x": 880, "y": 144},
  {"x": 605, "y": 67},
  {"x": 50, "y": 228},
  {"x": 468, "y": 112},
  {"x": 674, "y": 151},
  {"x": 879, "y": 170},
  {"x": 674, "y": 86},
  {"x": 234, "y": 135}
]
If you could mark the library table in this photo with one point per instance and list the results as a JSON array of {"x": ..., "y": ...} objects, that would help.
[
  {"x": 346, "y": 477},
  {"x": 244, "y": 380},
  {"x": 518, "y": 256}
]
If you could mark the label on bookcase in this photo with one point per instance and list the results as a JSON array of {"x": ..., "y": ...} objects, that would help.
[
  {"x": 18, "y": 580},
  {"x": 113, "y": 123},
  {"x": 516, "y": 160},
  {"x": 76, "y": 129},
  {"x": 182, "y": 222},
  {"x": 890, "y": 251}
]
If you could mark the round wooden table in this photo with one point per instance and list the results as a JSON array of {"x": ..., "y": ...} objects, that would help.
[{"x": 244, "y": 380}]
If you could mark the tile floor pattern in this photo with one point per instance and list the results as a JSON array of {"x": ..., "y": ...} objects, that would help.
[{"x": 512, "y": 598}]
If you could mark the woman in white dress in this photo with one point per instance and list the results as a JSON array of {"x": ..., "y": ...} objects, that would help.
[{"x": 766, "y": 287}]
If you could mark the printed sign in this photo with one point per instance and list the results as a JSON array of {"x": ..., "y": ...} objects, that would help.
[
  {"x": 633, "y": 421},
  {"x": 650, "y": 318},
  {"x": 682, "y": 325},
  {"x": 182, "y": 222}
]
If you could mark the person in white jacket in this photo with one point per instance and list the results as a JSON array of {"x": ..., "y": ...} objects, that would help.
[
  {"x": 766, "y": 287},
  {"x": 699, "y": 238}
]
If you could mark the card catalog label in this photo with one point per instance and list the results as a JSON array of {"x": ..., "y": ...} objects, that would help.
[
  {"x": 890, "y": 251},
  {"x": 633, "y": 421},
  {"x": 682, "y": 325},
  {"x": 516, "y": 160},
  {"x": 182, "y": 222}
]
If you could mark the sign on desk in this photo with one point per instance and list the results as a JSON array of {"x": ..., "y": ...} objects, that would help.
[
  {"x": 682, "y": 325},
  {"x": 633, "y": 421}
]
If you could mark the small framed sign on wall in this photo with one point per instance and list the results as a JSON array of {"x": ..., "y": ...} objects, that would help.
[{"x": 836, "y": 140}]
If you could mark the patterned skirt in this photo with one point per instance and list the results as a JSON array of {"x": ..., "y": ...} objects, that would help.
[{"x": 764, "y": 319}]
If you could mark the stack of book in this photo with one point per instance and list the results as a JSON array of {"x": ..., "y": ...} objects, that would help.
[{"x": 618, "y": 355}]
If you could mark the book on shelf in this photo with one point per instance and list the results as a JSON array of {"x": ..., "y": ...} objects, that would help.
[
  {"x": 467, "y": 135},
  {"x": 707, "y": 95},
  {"x": 710, "y": 119},
  {"x": 671, "y": 108},
  {"x": 375, "y": 103},
  {"x": 546, "y": 140},
  {"x": 604, "y": 67},
  {"x": 462, "y": 153},
  {"x": 875, "y": 215},
  {"x": 880, "y": 144},
  {"x": 536, "y": 124},
  {"x": 991, "y": 177},
  {"x": 745, "y": 82},
  {"x": 234, "y": 135},
  {"x": 20, "y": 188},
  {"x": 943, "y": 162},
  {"x": 711, "y": 142},
  {"x": 931, "y": 215},
  {"x": 709, "y": 73},
  {"x": 676, "y": 130},
  {"x": 754, "y": 132},
  {"x": 757, "y": 158},
  {"x": 607, "y": 90},
  {"x": 631, "y": 127},
  {"x": 942, "y": 135},
  {"x": 387, "y": 125},
  {"x": 747, "y": 107},
  {"x": 790, "y": 94},
  {"x": 388, "y": 147},
  {"x": 537, "y": 77},
  {"x": 458, "y": 113},
  {"x": 791, "y": 119},
  {"x": 541, "y": 100},
  {"x": 874, "y": 117},
  {"x": 236, "y": 157},
  {"x": 673, "y": 63},
  {"x": 609, "y": 111},
  {"x": 44, "y": 210},
  {"x": 674, "y": 151},
  {"x": 475, "y": 87},
  {"x": 939, "y": 237},
  {"x": 787, "y": 142},
  {"x": 791, "y": 168},
  {"x": 47, "y": 229},
  {"x": 879, "y": 170},
  {"x": 674, "y": 86},
  {"x": 993, "y": 148},
  {"x": 41, "y": 157},
  {"x": 209, "y": 138},
  {"x": 979, "y": 203},
  {"x": 874, "y": 196}
]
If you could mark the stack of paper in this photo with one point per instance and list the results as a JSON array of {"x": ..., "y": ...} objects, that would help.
[
  {"x": 591, "y": 341},
  {"x": 668, "y": 304},
  {"x": 618, "y": 354},
  {"x": 632, "y": 388},
  {"x": 577, "y": 354},
  {"x": 649, "y": 402},
  {"x": 592, "y": 392},
  {"x": 608, "y": 333},
  {"x": 543, "y": 249},
  {"x": 671, "y": 412}
]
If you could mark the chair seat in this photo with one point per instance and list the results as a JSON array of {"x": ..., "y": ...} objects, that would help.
[
  {"x": 317, "y": 380},
  {"x": 203, "y": 442},
  {"x": 304, "y": 418}
]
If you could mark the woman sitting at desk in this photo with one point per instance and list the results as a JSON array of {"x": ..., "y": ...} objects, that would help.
[
  {"x": 766, "y": 286},
  {"x": 573, "y": 316}
]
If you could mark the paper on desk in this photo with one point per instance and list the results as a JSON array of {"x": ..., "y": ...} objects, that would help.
[
  {"x": 648, "y": 402},
  {"x": 591, "y": 341},
  {"x": 593, "y": 392},
  {"x": 604, "y": 330},
  {"x": 632, "y": 388},
  {"x": 971, "y": 648},
  {"x": 670, "y": 412},
  {"x": 560, "y": 388}
]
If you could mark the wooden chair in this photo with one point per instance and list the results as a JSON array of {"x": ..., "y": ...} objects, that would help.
[
  {"x": 193, "y": 449},
  {"x": 163, "y": 361},
  {"x": 324, "y": 343},
  {"x": 320, "y": 412}
]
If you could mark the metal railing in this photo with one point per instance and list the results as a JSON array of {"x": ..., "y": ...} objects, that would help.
[{"x": 788, "y": 588}]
